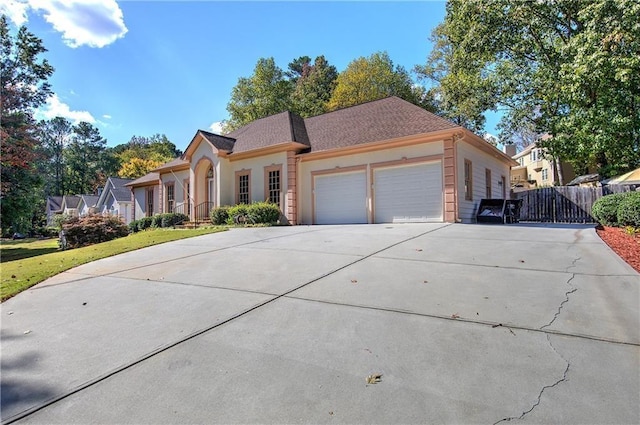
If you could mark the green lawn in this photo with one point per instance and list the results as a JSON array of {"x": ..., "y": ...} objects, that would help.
[{"x": 28, "y": 262}]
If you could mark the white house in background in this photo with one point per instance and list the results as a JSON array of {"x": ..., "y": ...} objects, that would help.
[
  {"x": 115, "y": 199},
  {"x": 87, "y": 204},
  {"x": 70, "y": 205},
  {"x": 385, "y": 161}
]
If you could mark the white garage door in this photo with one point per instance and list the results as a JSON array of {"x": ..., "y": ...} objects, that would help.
[
  {"x": 410, "y": 193},
  {"x": 341, "y": 198}
]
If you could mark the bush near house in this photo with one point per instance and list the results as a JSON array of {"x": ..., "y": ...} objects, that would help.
[
  {"x": 629, "y": 210},
  {"x": 618, "y": 209},
  {"x": 157, "y": 221},
  {"x": 91, "y": 229},
  {"x": 256, "y": 213},
  {"x": 220, "y": 215}
]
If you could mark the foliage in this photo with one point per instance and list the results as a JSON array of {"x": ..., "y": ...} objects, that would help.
[
  {"x": 55, "y": 135},
  {"x": 605, "y": 209},
  {"x": 137, "y": 167},
  {"x": 86, "y": 157},
  {"x": 23, "y": 87},
  {"x": 255, "y": 213},
  {"x": 157, "y": 221},
  {"x": 60, "y": 219},
  {"x": 21, "y": 274},
  {"x": 265, "y": 93},
  {"x": 373, "y": 78},
  {"x": 567, "y": 69},
  {"x": 91, "y": 229},
  {"x": 220, "y": 215},
  {"x": 629, "y": 210},
  {"x": 314, "y": 85}
]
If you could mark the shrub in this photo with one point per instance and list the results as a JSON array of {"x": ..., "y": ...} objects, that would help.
[
  {"x": 629, "y": 210},
  {"x": 156, "y": 221},
  {"x": 171, "y": 219},
  {"x": 237, "y": 213},
  {"x": 256, "y": 213},
  {"x": 92, "y": 229},
  {"x": 605, "y": 209},
  {"x": 264, "y": 212},
  {"x": 133, "y": 226},
  {"x": 220, "y": 215},
  {"x": 144, "y": 223}
]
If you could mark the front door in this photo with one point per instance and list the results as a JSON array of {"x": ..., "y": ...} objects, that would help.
[{"x": 210, "y": 191}]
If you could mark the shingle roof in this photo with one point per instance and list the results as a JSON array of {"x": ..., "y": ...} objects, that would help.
[
  {"x": 223, "y": 143},
  {"x": 54, "y": 203},
  {"x": 147, "y": 178},
  {"x": 71, "y": 201},
  {"x": 121, "y": 194},
  {"x": 272, "y": 130},
  {"x": 173, "y": 163},
  {"x": 118, "y": 182},
  {"x": 382, "y": 119},
  {"x": 90, "y": 200}
]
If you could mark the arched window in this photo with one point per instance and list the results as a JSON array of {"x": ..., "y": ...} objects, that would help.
[{"x": 210, "y": 172}]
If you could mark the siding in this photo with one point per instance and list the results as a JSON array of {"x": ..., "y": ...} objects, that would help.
[{"x": 480, "y": 162}]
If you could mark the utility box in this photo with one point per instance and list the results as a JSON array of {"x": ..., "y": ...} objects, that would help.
[{"x": 498, "y": 211}]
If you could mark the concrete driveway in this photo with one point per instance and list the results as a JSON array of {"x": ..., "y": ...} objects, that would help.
[{"x": 465, "y": 323}]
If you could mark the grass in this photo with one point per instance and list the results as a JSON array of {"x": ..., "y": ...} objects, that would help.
[{"x": 29, "y": 262}]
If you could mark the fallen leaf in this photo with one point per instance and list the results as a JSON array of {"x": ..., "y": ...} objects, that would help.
[
  {"x": 374, "y": 379},
  {"x": 419, "y": 249},
  {"x": 10, "y": 313},
  {"x": 426, "y": 281},
  {"x": 13, "y": 276},
  {"x": 522, "y": 261},
  {"x": 331, "y": 413},
  {"x": 354, "y": 281},
  {"x": 455, "y": 316}
]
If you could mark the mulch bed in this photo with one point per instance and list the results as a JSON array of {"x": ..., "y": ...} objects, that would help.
[{"x": 625, "y": 245}]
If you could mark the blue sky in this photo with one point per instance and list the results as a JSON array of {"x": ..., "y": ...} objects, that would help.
[{"x": 146, "y": 67}]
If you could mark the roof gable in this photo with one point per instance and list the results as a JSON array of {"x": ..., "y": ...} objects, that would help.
[
  {"x": 111, "y": 184},
  {"x": 272, "y": 130}
]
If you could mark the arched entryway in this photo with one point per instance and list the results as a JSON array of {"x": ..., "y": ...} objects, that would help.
[{"x": 204, "y": 189}]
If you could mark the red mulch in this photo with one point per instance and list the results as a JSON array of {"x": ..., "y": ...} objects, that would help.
[{"x": 625, "y": 245}]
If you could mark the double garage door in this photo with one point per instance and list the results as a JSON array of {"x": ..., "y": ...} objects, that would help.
[{"x": 408, "y": 193}]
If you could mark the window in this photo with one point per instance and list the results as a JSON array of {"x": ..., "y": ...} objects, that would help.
[
  {"x": 171, "y": 199},
  {"x": 272, "y": 184},
  {"x": 545, "y": 174},
  {"x": 487, "y": 179},
  {"x": 149, "y": 202},
  {"x": 534, "y": 155},
  {"x": 521, "y": 161},
  {"x": 468, "y": 181},
  {"x": 243, "y": 187}
]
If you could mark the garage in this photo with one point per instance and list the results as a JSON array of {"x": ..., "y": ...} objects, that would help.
[
  {"x": 341, "y": 198},
  {"x": 408, "y": 193}
]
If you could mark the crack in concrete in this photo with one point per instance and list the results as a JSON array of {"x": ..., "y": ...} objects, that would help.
[{"x": 566, "y": 300}]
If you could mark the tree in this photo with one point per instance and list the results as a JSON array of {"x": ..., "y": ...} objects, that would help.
[
  {"x": 372, "y": 78},
  {"x": 265, "y": 93},
  {"x": 137, "y": 167},
  {"x": 55, "y": 134},
  {"x": 568, "y": 69},
  {"x": 85, "y": 159},
  {"x": 314, "y": 85},
  {"x": 23, "y": 87}
]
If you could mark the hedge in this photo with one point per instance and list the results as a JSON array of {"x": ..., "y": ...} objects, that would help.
[
  {"x": 91, "y": 229},
  {"x": 157, "y": 221},
  {"x": 605, "y": 209},
  {"x": 255, "y": 213},
  {"x": 629, "y": 210}
]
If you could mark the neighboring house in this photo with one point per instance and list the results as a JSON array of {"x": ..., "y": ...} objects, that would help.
[
  {"x": 535, "y": 169},
  {"x": 380, "y": 162},
  {"x": 70, "y": 205},
  {"x": 87, "y": 204},
  {"x": 115, "y": 199},
  {"x": 53, "y": 208}
]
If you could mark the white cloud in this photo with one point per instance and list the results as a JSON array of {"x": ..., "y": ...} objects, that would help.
[
  {"x": 94, "y": 23},
  {"x": 15, "y": 10},
  {"x": 56, "y": 108},
  {"x": 216, "y": 127},
  {"x": 106, "y": 116}
]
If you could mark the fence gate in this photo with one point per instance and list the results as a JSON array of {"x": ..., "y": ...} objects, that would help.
[{"x": 563, "y": 204}]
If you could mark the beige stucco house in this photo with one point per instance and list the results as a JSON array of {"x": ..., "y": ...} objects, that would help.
[
  {"x": 384, "y": 161},
  {"x": 535, "y": 169}
]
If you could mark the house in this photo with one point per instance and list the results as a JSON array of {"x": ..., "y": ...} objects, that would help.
[
  {"x": 87, "y": 204},
  {"x": 379, "y": 162},
  {"x": 115, "y": 199},
  {"x": 535, "y": 169},
  {"x": 69, "y": 205},
  {"x": 53, "y": 208}
]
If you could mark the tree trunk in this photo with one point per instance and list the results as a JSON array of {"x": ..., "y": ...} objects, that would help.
[{"x": 559, "y": 168}]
